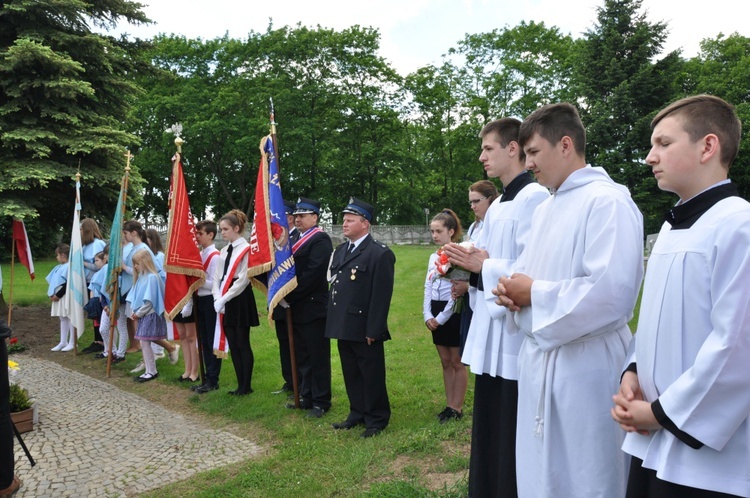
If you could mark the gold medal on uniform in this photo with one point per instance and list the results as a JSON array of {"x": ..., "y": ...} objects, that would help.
[{"x": 354, "y": 274}]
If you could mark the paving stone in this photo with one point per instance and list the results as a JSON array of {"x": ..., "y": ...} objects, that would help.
[{"x": 91, "y": 439}]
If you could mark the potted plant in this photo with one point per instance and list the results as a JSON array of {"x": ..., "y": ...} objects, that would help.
[{"x": 21, "y": 408}]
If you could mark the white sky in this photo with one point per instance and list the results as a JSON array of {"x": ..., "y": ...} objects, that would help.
[{"x": 415, "y": 33}]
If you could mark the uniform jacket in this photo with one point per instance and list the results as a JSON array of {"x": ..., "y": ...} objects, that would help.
[
  {"x": 361, "y": 290},
  {"x": 310, "y": 298}
]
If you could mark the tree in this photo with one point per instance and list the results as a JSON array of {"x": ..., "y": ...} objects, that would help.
[
  {"x": 722, "y": 68},
  {"x": 621, "y": 88},
  {"x": 64, "y": 96}
]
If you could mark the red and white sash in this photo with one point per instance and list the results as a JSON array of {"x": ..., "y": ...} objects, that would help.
[
  {"x": 221, "y": 346},
  {"x": 304, "y": 238}
]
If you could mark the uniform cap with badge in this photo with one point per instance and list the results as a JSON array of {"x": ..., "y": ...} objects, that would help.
[
  {"x": 307, "y": 206},
  {"x": 360, "y": 208}
]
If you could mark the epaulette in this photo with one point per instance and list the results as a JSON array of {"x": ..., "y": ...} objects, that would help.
[{"x": 380, "y": 244}]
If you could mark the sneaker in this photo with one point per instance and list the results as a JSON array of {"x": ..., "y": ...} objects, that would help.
[
  {"x": 159, "y": 356},
  {"x": 139, "y": 367},
  {"x": 174, "y": 355}
]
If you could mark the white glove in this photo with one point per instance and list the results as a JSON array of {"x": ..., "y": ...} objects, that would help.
[
  {"x": 219, "y": 305},
  {"x": 187, "y": 310}
]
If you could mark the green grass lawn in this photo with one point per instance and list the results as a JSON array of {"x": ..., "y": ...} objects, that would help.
[{"x": 306, "y": 457}]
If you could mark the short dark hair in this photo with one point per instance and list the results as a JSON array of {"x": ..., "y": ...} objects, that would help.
[
  {"x": 552, "y": 122},
  {"x": 702, "y": 115},
  {"x": 506, "y": 129},
  {"x": 208, "y": 226},
  {"x": 63, "y": 248}
]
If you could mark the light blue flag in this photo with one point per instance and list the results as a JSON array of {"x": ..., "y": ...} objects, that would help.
[{"x": 76, "y": 295}]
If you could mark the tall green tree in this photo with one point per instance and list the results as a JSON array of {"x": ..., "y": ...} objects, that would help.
[
  {"x": 622, "y": 85},
  {"x": 722, "y": 68},
  {"x": 65, "y": 91}
]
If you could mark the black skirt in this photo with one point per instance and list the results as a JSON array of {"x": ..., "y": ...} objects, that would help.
[
  {"x": 448, "y": 334},
  {"x": 241, "y": 311}
]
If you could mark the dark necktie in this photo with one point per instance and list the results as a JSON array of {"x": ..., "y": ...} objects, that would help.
[
  {"x": 351, "y": 248},
  {"x": 226, "y": 261}
]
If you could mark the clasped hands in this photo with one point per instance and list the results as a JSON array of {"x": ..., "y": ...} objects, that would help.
[
  {"x": 631, "y": 412},
  {"x": 514, "y": 292}
]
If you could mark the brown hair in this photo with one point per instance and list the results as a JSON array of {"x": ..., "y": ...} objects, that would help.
[
  {"x": 153, "y": 240},
  {"x": 63, "y": 248},
  {"x": 89, "y": 231},
  {"x": 208, "y": 226},
  {"x": 236, "y": 218},
  {"x": 701, "y": 115},
  {"x": 552, "y": 122},
  {"x": 506, "y": 129},
  {"x": 134, "y": 226},
  {"x": 450, "y": 219}
]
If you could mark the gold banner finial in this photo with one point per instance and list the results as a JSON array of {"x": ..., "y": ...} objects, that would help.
[{"x": 128, "y": 157}]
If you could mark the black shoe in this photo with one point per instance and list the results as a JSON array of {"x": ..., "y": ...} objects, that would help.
[
  {"x": 94, "y": 347},
  {"x": 346, "y": 424},
  {"x": 146, "y": 377},
  {"x": 316, "y": 412},
  {"x": 286, "y": 388},
  {"x": 204, "y": 388},
  {"x": 302, "y": 406},
  {"x": 117, "y": 359},
  {"x": 99, "y": 356},
  {"x": 237, "y": 392},
  {"x": 451, "y": 414},
  {"x": 370, "y": 432},
  {"x": 185, "y": 379},
  {"x": 442, "y": 415}
]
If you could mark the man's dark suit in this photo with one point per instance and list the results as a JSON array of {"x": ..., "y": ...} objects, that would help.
[
  {"x": 360, "y": 297},
  {"x": 308, "y": 302}
]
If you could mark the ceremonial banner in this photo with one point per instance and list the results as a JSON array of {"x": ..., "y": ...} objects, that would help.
[
  {"x": 182, "y": 263},
  {"x": 23, "y": 248},
  {"x": 76, "y": 295},
  {"x": 115, "y": 246},
  {"x": 270, "y": 250}
]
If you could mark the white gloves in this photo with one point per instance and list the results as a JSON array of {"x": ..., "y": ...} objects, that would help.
[
  {"x": 219, "y": 305},
  {"x": 187, "y": 310}
]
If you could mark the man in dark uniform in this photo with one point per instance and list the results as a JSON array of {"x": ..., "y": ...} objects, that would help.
[
  {"x": 360, "y": 297},
  {"x": 279, "y": 314},
  {"x": 308, "y": 302}
]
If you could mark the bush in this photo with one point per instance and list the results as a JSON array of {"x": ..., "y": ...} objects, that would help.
[{"x": 19, "y": 398}]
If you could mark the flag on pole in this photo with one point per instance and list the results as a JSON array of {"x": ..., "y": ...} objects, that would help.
[
  {"x": 76, "y": 295},
  {"x": 183, "y": 263},
  {"x": 270, "y": 250},
  {"x": 23, "y": 248},
  {"x": 115, "y": 245}
]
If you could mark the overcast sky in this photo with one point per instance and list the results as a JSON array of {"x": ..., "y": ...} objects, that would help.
[{"x": 415, "y": 33}]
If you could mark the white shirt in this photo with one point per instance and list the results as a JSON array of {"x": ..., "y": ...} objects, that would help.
[{"x": 436, "y": 288}]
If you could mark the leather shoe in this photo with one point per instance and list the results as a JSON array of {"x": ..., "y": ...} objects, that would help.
[
  {"x": 316, "y": 412},
  {"x": 204, "y": 388},
  {"x": 237, "y": 392},
  {"x": 302, "y": 406},
  {"x": 146, "y": 377},
  {"x": 370, "y": 432},
  {"x": 346, "y": 424},
  {"x": 284, "y": 389}
]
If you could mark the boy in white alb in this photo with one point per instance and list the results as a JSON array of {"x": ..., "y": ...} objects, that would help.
[
  {"x": 684, "y": 397},
  {"x": 573, "y": 293}
]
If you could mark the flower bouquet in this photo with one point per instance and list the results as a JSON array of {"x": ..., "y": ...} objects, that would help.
[{"x": 453, "y": 272}]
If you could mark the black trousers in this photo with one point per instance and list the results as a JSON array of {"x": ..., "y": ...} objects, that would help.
[
  {"x": 206, "y": 324},
  {"x": 492, "y": 465},
  {"x": 313, "y": 350},
  {"x": 643, "y": 483},
  {"x": 285, "y": 355},
  {"x": 7, "y": 462},
  {"x": 363, "y": 367},
  {"x": 242, "y": 356}
]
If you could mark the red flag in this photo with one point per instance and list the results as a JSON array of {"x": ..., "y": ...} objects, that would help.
[
  {"x": 182, "y": 263},
  {"x": 22, "y": 246},
  {"x": 261, "y": 238}
]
